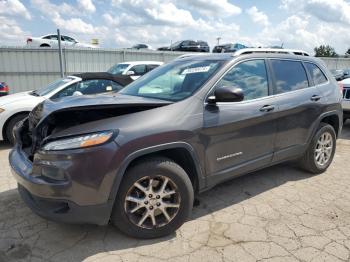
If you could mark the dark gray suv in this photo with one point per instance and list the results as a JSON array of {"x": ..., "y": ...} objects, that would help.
[{"x": 137, "y": 158}]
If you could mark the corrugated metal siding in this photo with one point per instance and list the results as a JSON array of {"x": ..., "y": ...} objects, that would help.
[{"x": 26, "y": 69}]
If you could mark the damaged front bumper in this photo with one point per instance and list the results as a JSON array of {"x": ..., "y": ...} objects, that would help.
[{"x": 67, "y": 186}]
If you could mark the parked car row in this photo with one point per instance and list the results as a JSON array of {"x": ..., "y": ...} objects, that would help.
[
  {"x": 201, "y": 46},
  {"x": 341, "y": 74},
  {"x": 51, "y": 40}
]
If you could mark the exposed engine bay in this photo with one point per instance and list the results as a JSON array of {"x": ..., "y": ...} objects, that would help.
[{"x": 37, "y": 127}]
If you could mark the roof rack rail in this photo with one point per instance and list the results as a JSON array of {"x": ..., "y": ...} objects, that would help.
[
  {"x": 189, "y": 55},
  {"x": 246, "y": 51}
]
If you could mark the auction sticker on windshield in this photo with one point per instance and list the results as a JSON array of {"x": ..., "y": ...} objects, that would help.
[{"x": 194, "y": 70}]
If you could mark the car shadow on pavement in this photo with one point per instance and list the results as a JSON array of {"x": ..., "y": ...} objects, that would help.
[{"x": 24, "y": 235}]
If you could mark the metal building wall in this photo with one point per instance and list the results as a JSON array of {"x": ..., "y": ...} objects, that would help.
[{"x": 26, "y": 69}]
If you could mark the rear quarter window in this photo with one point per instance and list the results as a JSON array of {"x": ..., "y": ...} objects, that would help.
[{"x": 316, "y": 73}]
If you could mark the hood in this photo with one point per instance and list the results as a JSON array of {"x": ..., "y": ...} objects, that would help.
[
  {"x": 51, "y": 117},
  {"x": 74, "y": 110},
  {"x": 88, "y": 102},
  {"x": 18, "y": 97}
]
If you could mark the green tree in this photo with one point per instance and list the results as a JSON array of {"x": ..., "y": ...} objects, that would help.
[{"x": 325, "y": 51}]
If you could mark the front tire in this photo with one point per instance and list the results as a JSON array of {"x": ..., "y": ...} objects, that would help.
[
  {"x": 321, "y": 150},
  {"x": 155, "y": 198}
]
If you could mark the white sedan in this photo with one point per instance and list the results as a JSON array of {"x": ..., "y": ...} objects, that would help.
[
  {"x": 52, "y": 41},
  {"x": 14, "y": 108}
]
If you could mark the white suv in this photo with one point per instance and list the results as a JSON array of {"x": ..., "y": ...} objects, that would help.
[
  {"x": 346, "y": 98},
  {"x": 134, "y": 69},
  {"x": 52, "y": 41}
]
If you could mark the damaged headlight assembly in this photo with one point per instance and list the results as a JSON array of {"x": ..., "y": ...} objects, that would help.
[{"x": 82, "y": 141}]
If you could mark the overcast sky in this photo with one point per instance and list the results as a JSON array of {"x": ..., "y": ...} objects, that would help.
[{"x": 301, "y": 24}]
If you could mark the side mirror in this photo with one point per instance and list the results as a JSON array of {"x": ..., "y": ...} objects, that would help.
[
  {"x": 77, "y": 93},
  {"x": 130, "y": 73},
  {"x": 226, "y": 94}
]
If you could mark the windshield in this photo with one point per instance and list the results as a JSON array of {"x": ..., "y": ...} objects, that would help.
[
  {"x": 174, "y": 81},
  {"x": 117, "y": 69},
  {"x": 48, "y": 89}
]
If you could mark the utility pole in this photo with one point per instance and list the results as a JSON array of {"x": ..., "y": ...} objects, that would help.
[
  {"x": 60, "y": 52},
  {"x": 218, "y": 40}
]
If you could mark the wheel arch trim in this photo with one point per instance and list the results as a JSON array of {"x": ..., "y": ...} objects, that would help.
[
  {"x": 319, "y": 120},
  {"x": 154, "y": 149}
]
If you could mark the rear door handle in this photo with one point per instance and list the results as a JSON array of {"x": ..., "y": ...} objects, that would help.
[
  {"x": 267, "y": 108},
  {"x": 315, "y": 98}
]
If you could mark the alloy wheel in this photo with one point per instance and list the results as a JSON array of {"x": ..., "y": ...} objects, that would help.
[
  {"x": 152, "y": 202},
  {"x": 324, "y": 149}
]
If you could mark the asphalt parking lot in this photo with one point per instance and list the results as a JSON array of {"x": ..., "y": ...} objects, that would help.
[{"x": 278, "y": 214}]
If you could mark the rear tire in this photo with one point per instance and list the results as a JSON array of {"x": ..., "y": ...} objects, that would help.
[
  {"x": 150, "y": 187},
  {"x": 321, "y": 150},
  {"x": 10, "y": 125}
]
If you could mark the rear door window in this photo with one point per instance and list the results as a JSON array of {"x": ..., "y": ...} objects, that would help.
[
  {"x": 288, "y": 75},
  {"x": 316, "y": 73}
]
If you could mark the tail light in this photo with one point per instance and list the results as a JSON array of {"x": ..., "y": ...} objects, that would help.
[
  {"x": 4, "y": 87},
  {"x": 341, "y": 87},
  {"x": 29, "y": 40}
]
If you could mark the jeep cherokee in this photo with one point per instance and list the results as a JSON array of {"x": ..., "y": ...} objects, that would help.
[{"x": 137, "y": 158}]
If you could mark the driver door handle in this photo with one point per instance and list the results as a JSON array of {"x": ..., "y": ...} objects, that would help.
[
  {"x": 267, "y": 108},
  {"x": 315, "y": 98}
]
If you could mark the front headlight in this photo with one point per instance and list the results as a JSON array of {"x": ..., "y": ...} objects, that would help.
[
  {"x": 1, "y": 110},
  {"x": 82, "y": 141}
]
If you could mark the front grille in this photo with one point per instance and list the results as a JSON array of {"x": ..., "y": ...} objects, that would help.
[{"x": 346, "y": 93}]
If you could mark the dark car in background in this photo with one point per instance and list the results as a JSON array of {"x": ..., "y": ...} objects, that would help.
[
  {"x": 338, "y": 74},
  {"x": 228, "y": 48},
  {"x": 164, "y": 48},
  {"x": 4, "y": 89},
  {"x": 346, "y": 73},
  {"x": 141, "y": 47},
  {"x": 190, "y": 46},
  {"x": 136, "y": 158}
]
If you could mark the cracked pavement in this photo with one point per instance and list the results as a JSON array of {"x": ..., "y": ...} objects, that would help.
[{"x": 277, "y": 214}]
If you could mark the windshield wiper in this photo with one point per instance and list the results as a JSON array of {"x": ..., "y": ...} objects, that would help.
[{"x": 34, "y": 93}]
